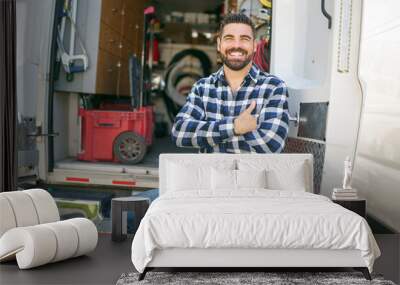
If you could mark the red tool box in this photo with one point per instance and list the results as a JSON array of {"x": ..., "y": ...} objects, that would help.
[
  {"x": 120, "y": 132},
  {"x": 118, "y": 136}
]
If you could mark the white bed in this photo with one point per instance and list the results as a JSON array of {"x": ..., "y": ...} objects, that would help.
[{"x": 229, "y": 210}]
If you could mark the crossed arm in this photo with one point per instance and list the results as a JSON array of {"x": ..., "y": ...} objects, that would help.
[{"x": 191, "y": 129}]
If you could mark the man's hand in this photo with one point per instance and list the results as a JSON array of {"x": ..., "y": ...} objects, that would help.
[{"x": 245, "y": 122}]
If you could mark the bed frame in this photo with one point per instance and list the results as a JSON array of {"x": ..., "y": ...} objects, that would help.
[
  {"x": 249, "y": 258},
  {"x": 256, "y": 258}
]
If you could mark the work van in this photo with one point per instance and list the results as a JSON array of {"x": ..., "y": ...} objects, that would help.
[{"x": 339, "y": 60}]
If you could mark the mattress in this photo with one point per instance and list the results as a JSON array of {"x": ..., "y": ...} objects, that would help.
[{"x": 250, "y": 218}]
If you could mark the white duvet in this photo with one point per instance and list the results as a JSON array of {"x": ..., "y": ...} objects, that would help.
[{"x": 250, "y": 219}]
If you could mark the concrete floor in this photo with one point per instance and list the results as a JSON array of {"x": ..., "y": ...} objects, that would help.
[{"x": 111, "y": 259}]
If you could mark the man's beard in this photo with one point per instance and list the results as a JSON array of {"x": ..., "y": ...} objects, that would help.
[{"x": 235, "y": 64}]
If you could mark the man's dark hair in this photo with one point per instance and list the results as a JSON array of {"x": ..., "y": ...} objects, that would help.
[{"x": 238, "y": 18}]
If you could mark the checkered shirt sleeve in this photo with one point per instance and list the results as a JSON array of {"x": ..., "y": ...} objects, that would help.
[
  {"x": 272, "y": 124},
  {"x": 192, "y": 127}
]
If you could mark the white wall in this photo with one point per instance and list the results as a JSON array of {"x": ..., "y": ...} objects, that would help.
[{"x": 377, "y": 164}]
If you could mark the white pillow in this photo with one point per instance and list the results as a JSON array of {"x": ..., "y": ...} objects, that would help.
[
  {"x": 293, "y": 179},
  {"x": 251, "y": 178},
  {"x": 188, "y": 175},
  {"x": 227, "y": 180},
  {"x": 183, "y": 177},
  {"x": 281, "y": 174},
  {"x": 223, "y": 179}
]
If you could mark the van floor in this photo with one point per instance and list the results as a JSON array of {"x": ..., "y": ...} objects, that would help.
[
  {"x": 110, "y": 259},
  {"x": 160, "y": 145}
]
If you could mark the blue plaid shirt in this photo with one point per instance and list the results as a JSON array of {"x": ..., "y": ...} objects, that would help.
[{"x": 206, "y": 119}]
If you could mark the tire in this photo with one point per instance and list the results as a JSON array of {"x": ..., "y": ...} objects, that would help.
[{"x": 129, "y": 148}]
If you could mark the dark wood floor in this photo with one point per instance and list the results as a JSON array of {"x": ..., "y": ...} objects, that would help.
[
  {"x": 102, "y": 266},
  {"x": 110, "y": 259}
]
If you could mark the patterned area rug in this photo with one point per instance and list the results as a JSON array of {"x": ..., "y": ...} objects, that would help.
[{"x": 242, "y": 278}]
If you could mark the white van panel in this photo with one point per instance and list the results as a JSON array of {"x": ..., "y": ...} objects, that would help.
[
  {"x": 34, "y": 28},
  {"x": 305, "y": 55},
  {"x": 377, "y": 165}
]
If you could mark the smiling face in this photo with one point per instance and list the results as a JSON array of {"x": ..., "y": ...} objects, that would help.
[{"x": 236, "y": 45}]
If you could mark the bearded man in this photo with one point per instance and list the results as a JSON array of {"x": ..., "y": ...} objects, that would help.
[{"x": 239, "y": 108}]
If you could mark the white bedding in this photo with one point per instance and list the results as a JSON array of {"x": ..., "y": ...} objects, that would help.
[{"x": 251, "y": 218}]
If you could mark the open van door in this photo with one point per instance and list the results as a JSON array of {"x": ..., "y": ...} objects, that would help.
[
  {"x": 315, "y": 46},
  {"x": 35, "y": 21}
]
